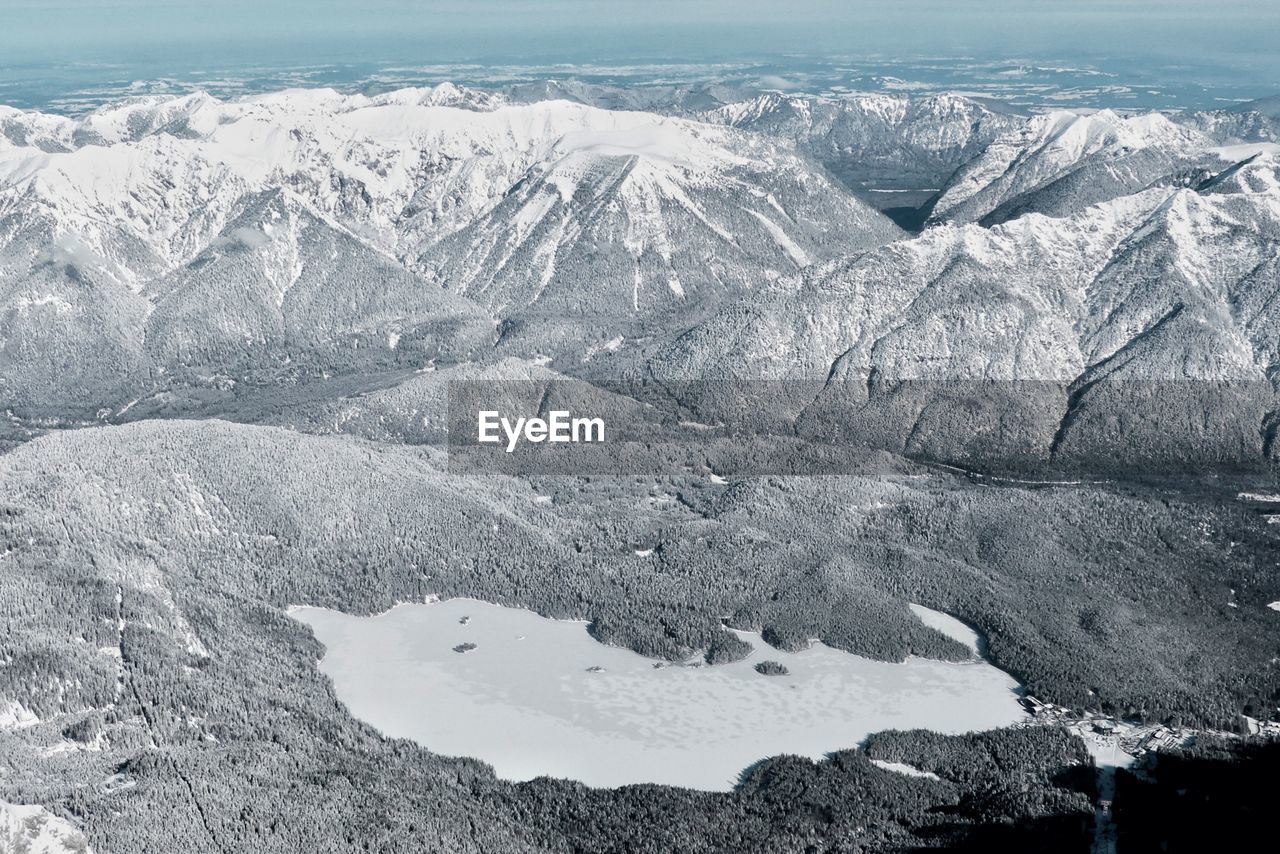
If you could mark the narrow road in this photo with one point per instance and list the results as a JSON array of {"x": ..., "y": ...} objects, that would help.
[{"x": 1104, "y": 825}]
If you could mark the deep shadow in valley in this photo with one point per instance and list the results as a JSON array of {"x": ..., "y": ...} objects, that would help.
[{"x": 1218, "y": 795}]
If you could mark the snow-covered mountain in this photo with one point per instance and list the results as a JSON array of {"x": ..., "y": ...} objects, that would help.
[
  {"x": 183, "y": 223},
  {"x": 195, "y": 115},
  {"x": 660, "y": 216},
  {"x": 1060, "y": 162},
  {"x": 1144, "y": 323},
  {"x": 164, "y": 254},
  {"x": 670, "y": 99},
  {"x": 878, "y": 141},
  {"x": 1233, "y": 127},
  {"x": 280, "y": 276}
]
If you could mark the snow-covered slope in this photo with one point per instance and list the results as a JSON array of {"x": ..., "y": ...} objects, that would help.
[
  {"x": 639, "y": 220},
  {"x": 877, "y": 140},
  {"x": 1233, "y": 126},
  {"x": 279, "y": 276},
  {"x": 1161, "y": 299},
  {"x": 402, "y": 166},
  {"x": 145, "y": 222},
  {"x": 165, "y": 253},
  {"x": 35, "y": 830},
  {"x": 195, "y": 115},
  {"x": 1119, "y": 155},
  {"x": 399, "y": 166}
]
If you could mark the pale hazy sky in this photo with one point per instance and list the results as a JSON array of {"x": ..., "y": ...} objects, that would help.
[{"x": 1239, "y": 33}]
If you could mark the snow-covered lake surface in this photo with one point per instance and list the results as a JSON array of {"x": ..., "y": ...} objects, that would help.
[{"x": 541, "y": 697}]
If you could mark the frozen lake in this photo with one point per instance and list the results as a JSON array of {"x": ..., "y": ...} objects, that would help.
[{"x": 528, "y": 700}]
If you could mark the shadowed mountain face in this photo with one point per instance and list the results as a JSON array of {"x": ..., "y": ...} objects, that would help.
[
  {"x": 1075, "y": 320},
  {"x": 1037, "y": 157},
  {"x": 1212, "y": 794}
]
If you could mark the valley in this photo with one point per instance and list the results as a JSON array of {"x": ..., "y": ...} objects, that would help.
[{"x": 966, "y": 399}]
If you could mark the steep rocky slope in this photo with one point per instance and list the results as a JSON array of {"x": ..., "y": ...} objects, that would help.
[{"x": 1161, "y": 290}]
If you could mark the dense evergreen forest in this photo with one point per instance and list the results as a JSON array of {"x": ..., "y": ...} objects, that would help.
[{"x": 198, "y": 721}]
